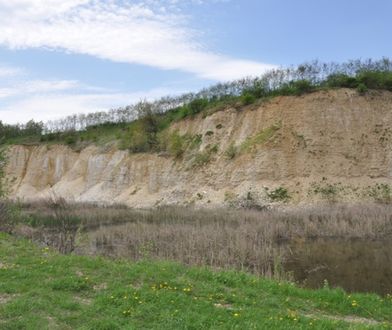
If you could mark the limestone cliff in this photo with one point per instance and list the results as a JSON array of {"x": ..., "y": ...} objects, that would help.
[{"x": 335, "y": 140}]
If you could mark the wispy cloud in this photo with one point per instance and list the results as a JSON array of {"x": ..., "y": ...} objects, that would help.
[
  {"x": 9, "y": 71},
  {"x": 59, "y": 104},
  {"x": 148, "y": 32}
]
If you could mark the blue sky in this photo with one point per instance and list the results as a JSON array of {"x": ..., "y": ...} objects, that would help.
[{"x": 59, "y": 57}]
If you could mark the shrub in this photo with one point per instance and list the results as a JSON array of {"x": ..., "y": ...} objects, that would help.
[
  {"x": 176, "y": 145},
  {"x": 260, "y": 138},
  {"x": 213, "y": 149},
  {"x": 296, "y": 88},
  {"x": 201, "y": 158},
  {"x": 341, "y": 80},
  {"x": 197, "y": 106},
  {"x": 280, "y": 194},
  {"x": 362, "y": 89},
  {"x": 328, "y": 191},
  {"x": 70, "y": 139},
  {"x": 382, "y": 193},
  {"x": 247, "y": 98},
  {"x": 302, "y": 87},
  {"x": 195, "y": 141},
  {"x": 137, "y": 140},
  {"x": 231, "y": 151}
]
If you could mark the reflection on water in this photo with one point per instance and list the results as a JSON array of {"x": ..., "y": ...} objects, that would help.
[{"x": 354, "y": 265}]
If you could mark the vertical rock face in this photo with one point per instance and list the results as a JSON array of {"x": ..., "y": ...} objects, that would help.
[{"x": 335, "y": 137}]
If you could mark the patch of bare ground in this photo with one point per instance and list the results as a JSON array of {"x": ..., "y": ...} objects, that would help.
[
  {"x": 345, "y": 318},
  {"x": 100, "y": 287},
  {"x": 6, "y": 298},
  {"x": 225, "y": 306},
  {"x": 83, "y": 300}
]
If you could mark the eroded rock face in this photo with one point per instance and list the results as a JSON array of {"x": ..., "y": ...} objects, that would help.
[{"x": 336, "y": 137}]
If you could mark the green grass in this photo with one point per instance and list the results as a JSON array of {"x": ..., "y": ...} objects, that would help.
[
  {"x": 40, "y": 289},
  {"x": 260, "y": 138}
]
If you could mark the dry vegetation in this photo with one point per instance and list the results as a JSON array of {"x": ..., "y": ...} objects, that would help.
[{"x": 225, "y": 238}]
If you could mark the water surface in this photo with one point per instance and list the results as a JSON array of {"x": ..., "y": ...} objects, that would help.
[{"x": 355, "y": 265}]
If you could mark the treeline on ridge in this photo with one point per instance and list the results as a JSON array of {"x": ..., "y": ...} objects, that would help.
[{"x": 137, "y": 126}]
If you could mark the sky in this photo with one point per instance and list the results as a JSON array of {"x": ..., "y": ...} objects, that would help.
[{"x": 60, "y": 57}]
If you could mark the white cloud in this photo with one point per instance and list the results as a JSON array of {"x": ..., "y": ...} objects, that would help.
[
  {"x": 8, "y": 71},
  {"x": 23, "y": 88},
  {"x": 145, "y": 32},
  {"x": 57, "y": 105}
]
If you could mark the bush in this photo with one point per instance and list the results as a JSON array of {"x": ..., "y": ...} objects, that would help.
[
  {"x": 382, "y": 193},
  {"x": 280, "y": 194},
  {"x": 231, "y": 151},
  {"x": 197, "y": 106},
  {"x": 213, "y": 149},
  {"x": 70, "y": 139},
  {"x": 295, "y": 88},
  {"x": 302, "y": 87},
  {"x": 247, "y": 98},
  {"x": 176, "y": 145},
  {"x": 362, "y": 89},
  {"x": 137, "y": 140},
  {"x": 339, "y": 80},
  {"x": 375, "y": 79},
  {"x": 201, "y": 159},
  {"x": 328, "y": 191}
]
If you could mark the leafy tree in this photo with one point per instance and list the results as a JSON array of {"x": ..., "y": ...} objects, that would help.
[{"x": 197, "y": 105}]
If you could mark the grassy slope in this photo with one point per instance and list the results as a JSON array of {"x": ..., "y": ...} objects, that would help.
[{"x": 41, "y": 289}]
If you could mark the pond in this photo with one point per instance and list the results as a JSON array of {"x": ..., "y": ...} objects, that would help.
[{"x": 355, "y": 265}]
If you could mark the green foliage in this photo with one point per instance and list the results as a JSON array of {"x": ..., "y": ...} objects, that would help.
[
  {"x": 213, "y": 149},
  {"x": 204, "y": 157},
  {"x": 231, "y": 151},
  {"x": 201, "y": 158},
  {"x": 381, "y": 192},
  {"x": 177, "y": 144},
  {"x": 136, "y": 126},
  {"x": 362, "y": 81},
  {"x": 71, "y": 283},
  {"x": 137, "y": 139},
  {"x": 195, "y": 140},
  {"x": 70, "y": 139},
  {"x": 280, "y": 194},
  {"x": 296, "y": 88},
  {"x": 328, "y": 191},
  {"x": 197, "y": 106},
  {"x": 341, "y": 80},
  {"x": 375, "y": 79},
  {"x": 260, "y": 138},
  {"x": 247, "y": 98},
  {"x": 362, "y": 88}
]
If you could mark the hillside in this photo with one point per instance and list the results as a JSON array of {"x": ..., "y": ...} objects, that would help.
[{"x": 323, "y": 145}]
